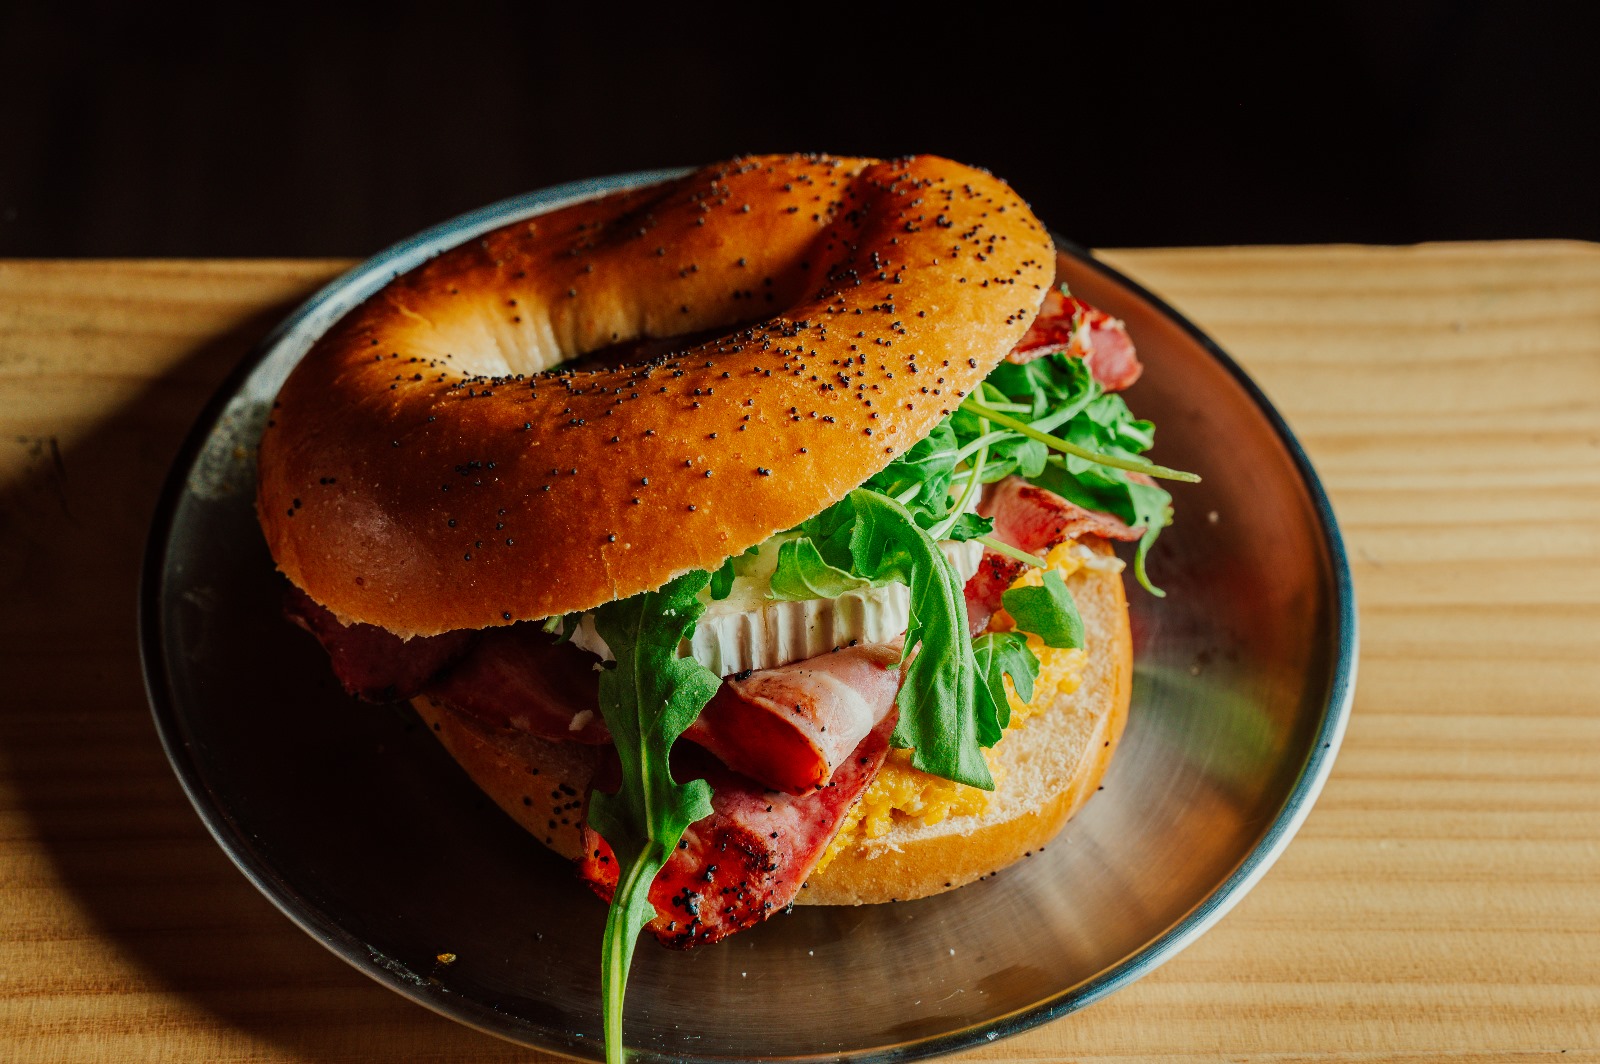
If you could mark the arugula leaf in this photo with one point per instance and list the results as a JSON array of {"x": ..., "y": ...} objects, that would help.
[
  {"x": 1028, "y": 455},
  {"x": 647, "y": 700},
  {"x": 940, "y": 714},
  {"x": 1067, "y": 400},
  {"x": 1055, "y": 386},
  {"x": 1000, "y": 654},
  {"x": 927, "y": 468},
  {"x": 831, "y": 531},
  {"x": 1055, "y": 394},
  {"x": 1048, "y": 612},
  {"x": 722, "y": 580},
  {"x": 969, "y": 526},
  {"x": 1152, "y": 508},
  {"x": 731, "y": 568},
  {"x": 802, "y": 574}
]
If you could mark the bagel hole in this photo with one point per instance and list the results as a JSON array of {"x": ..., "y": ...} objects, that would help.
[{"x": 646, "y": 350}]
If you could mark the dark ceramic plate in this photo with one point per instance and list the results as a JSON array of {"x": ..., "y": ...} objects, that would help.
[{"x": 359, "y": 827}]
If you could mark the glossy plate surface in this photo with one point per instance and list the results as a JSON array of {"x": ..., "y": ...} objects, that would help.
[{"x": 361, "y": 829}]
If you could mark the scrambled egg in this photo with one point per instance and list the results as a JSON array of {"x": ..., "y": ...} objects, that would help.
[{"x": 901, "y": 792}]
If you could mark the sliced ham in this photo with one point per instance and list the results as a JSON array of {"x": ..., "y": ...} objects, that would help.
[
  {"x": 1032, "y": 519},
  {"x": 1072, "y": 327},
  {"x": 791, "y": 727},
  {"x": 750, "y": 856},
  {"x": 371, "y": 662},
  {"x": 520, "y": 678}
]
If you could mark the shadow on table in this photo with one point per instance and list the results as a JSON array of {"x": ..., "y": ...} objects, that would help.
[{"x": 81, "y": 759}]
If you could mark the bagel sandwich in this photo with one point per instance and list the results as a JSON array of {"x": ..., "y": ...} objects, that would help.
[{"x": 746, "y": 536}]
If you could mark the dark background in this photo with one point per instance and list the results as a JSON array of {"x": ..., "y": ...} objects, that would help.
[{"x": 283, "y": 130}]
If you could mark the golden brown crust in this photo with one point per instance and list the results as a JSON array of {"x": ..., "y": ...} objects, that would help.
[
  {"x": 1050, "y": 766},
  {"x": 399, "y": 486}
]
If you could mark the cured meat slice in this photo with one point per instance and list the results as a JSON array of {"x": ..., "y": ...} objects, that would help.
[
  {"x": 371, "y": 662},
  {"x": 1033, "y": 519},
  {"x": 996, "y": 573},
  {"x": 787, "y": 728},
  {"x": 522, "y": 679},
  {"x": 1074, "y": 328},
  {"x": 751, "y": 855},
  {"x": 791, "y": 727}
]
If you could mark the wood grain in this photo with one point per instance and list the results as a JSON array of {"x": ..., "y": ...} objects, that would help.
[{"x": 1441, "y": 902}]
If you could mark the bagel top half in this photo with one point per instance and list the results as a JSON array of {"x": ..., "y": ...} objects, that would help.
[{"x": 429, "y": 466}]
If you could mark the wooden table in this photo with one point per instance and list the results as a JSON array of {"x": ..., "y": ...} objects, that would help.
[{"x": 1443, "y": 899}]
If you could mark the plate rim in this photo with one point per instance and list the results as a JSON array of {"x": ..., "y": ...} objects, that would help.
[{"x": 337, "y": 296}]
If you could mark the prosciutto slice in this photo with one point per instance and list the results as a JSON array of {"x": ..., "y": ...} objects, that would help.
[
  {"x": 371, "y": 662},
  {"x": 791, "y": 727},
  {"x": 996, "y": 573},
  {"x": 788, "y": 727},
  {"x": 1032, "y": 519},
  {"x": 1074, "y": 328},
  {"x": 750, "y": 856},
  {"x": 520, "y": 678}
]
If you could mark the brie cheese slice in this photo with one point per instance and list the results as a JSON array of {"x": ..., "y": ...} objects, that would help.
[{"x": 751, "y": 630}]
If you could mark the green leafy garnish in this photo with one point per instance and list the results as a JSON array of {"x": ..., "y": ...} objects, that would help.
[
  {"x": 969, "y": 526},
  {"x": 1000, "y": 654},
  {"x": 1057, "y": 387},
  {"x": 732, "y": 567},
  {"x": 1061, "y": 401},
  {"x": 1048, "y": 612},
  {"x": 1011, "y": 425},
  {"x": 1077, "y": 450},
  {"x": 802, "y": 574},
  {"x": 722, "y": 580},
  {"x": 648, "y": 700},
  {"x": 920, "y": 478}
]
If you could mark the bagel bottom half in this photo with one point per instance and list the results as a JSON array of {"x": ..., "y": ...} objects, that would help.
[{"x": 1047, "y": 767}]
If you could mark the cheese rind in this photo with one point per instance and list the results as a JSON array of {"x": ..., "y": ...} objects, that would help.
[{"x": 751, "y": 630}]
